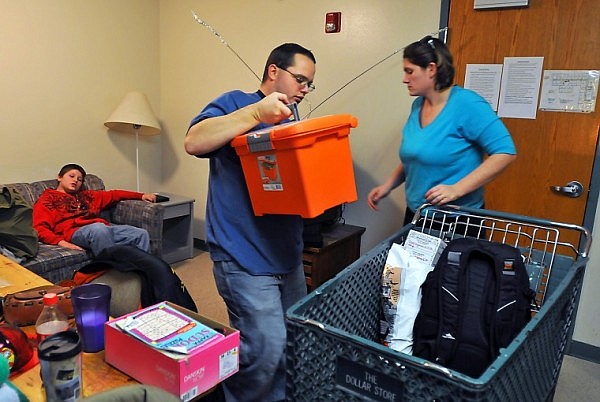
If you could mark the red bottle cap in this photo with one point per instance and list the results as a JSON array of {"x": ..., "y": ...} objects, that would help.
[{"x": 50, "y": 299}]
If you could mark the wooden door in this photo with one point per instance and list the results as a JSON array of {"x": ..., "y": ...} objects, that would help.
[{"x": 555, "y": 147}]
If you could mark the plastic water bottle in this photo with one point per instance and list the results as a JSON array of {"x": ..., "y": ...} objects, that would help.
[{"x": 52, "y": 319}]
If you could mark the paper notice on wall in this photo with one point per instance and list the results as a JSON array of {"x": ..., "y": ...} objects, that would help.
[
  {"x": 485, "y": 80},
  {"x": 569, "y": 90},
  {"x": 520, "y": 87}
]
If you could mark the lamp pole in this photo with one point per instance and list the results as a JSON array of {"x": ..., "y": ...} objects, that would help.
[{"x": 137, "y": 155}]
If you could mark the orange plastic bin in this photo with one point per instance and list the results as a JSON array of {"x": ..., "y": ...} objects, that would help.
[{"x": 300, "y": 168}]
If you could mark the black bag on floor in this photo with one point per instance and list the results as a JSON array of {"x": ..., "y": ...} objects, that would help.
[
  {"x": 474, "y": 302},
  {"x": 159, "y": 281}
]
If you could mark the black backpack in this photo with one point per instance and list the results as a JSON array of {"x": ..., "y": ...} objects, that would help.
[{"x": 474, "y": 302}]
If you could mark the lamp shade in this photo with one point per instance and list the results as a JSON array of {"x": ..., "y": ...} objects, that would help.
[{"x": 134, "y": 115}]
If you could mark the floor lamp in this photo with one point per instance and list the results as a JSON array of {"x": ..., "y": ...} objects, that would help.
[{"x": 134, "y": 115}]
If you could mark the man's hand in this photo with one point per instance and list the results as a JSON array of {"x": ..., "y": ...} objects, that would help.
[
  {"x": 66, "y": 244},
  {"x": 215, "y": 132},
  {"x": 272, "y": 109}
]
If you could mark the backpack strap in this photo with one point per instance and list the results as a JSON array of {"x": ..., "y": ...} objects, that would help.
[
  {"x": 450, "y": 306},
  {"x": 512, "y": 299},
  {"x": 505, "y": 286}
]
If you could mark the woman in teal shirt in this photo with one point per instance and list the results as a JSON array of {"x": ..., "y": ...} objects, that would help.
[{"x": 446, "y": 137}]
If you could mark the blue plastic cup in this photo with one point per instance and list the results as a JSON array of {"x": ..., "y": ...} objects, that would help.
[{"x": 91, "y": 306}]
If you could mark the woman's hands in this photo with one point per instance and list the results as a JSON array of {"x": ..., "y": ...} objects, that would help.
[
  {"x": 375, "y": 195},
  {"x": 442, "y": 194}
]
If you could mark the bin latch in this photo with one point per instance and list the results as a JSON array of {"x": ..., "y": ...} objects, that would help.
[{"x": 259, "y": 142}]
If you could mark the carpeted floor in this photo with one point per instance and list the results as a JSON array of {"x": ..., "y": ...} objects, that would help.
[
  {"x": 578, "y": 380},
  {"x": 197, "y": 276}
]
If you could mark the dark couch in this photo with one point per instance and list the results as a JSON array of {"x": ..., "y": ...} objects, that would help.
[{"x": 56, "y": 263}]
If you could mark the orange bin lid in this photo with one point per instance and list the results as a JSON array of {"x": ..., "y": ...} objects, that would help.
[{"x": 298, "y": 129}]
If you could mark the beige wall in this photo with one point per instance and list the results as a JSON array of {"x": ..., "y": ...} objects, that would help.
[
  {"x": 196, "y": 67},
  {"x": 66, "y": 64}
]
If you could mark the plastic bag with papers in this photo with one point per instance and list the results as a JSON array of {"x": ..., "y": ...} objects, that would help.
[{"x": 405, "y": 271}]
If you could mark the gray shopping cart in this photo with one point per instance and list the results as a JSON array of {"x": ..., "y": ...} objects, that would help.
[{"x": 332, "y": 349}]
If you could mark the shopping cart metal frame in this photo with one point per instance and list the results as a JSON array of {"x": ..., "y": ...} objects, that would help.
[{"x": 538, "y": 240}]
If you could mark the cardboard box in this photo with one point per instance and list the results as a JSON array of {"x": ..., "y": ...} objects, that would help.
[
  {"x": 300, "y": 168},
  {"x": 185, "y": 376}
]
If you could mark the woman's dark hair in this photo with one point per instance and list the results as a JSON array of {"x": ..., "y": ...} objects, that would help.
[
  {"x": 283, "y": 56},
  {"x": 71, "y": 166},
  {"x": 432, "y": 50}
]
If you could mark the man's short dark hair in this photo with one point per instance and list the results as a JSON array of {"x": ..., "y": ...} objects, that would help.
[
  {"x": 71, "y": 166},
  {"x": 283, "y": 56}
]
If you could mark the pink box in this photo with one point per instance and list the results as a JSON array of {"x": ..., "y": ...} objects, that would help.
[{"x": 185, "y": 377}]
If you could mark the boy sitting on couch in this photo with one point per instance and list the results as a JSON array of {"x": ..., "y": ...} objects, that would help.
[{"x": 70, "y": 217}]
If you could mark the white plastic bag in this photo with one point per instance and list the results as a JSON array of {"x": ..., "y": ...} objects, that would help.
[{"x": 402, "y": 300}]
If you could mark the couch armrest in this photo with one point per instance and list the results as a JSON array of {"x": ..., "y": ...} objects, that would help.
[{"x": 145, "y": 215}]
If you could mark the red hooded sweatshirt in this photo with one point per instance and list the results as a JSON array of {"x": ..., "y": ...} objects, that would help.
[{"x": 57, "y": 215}]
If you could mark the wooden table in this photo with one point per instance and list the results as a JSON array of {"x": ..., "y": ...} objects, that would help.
[
  {"x": 97, "y": 375},
  {"x": 14, "y": 277}
]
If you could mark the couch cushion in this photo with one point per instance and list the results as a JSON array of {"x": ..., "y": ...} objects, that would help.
[
  {"x": 56, "y": 263},
  {"x": 93, "y": 182},
  {"x": 38, "y": 187},
  {"x": 126, "y": 289}
]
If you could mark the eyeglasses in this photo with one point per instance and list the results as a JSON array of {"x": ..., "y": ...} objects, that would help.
[{"x": 301, "y": 80}]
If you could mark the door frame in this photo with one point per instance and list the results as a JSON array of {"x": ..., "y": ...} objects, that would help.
[{"x": 591, "y": 205}]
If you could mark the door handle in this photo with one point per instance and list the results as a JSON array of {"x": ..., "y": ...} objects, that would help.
[{"x": 573, "y": 189}]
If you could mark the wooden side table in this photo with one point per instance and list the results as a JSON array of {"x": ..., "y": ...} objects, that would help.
[
  {"x": 178, "y": 241},
  {"x": 341, "y": 247}
]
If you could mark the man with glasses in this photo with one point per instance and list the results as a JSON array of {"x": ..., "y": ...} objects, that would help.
[{"x": 257, "y": 260}]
